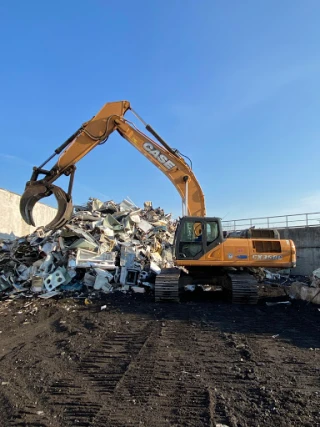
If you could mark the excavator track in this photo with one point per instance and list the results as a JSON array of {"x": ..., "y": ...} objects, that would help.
[
  {"x": 244, "y": 288},
  {"x": 167, "y": 285}
]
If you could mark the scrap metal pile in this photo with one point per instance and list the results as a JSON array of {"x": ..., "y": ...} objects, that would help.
[
  {"x": 307, "y": 291},
  {"x": 105, "y": 247}
]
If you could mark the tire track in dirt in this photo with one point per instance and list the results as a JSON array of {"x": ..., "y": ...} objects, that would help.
[
  {"x": 6, "y": 410},
  {"x": 257, "y": 388},
  {"x": 83, "y": 395},
  {"x": 181, "y": 399},
  {"x": 162, "y": 365},
  {"x": 75, "y": 398},
  {"x": 216, "y": 361},
  {"x": 32, "y": 413},
  {"x": 161, "y": 387}
]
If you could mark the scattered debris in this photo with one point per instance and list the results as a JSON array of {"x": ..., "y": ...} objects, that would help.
[
  {"x": 269, "y": 304},
  {"x": 272, "y": 276},
  {"x": 301, "y": 291},
  {"x": 190, "y": 288},
  {"x": 138, "y": 290},
  {"x": 307, "y": 291},
  {"x": 316, "y": 279},
  {"x": 49, "y": 294},
  {"x": 105, "y": 247}
]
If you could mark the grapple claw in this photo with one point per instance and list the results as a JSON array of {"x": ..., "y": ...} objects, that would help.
[{"x": 37, "y": 191}]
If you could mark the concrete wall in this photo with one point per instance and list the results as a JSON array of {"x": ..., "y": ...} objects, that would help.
[
  {"x": 307, "y": 241},
  {"x": 11, "y": 223}
]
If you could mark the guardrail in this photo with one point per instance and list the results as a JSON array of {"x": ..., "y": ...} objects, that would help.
[{"x": 281, "y": 221}]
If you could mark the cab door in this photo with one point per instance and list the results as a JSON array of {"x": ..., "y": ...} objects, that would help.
[
  {"x": 196, "y": 236},
  {"x": 189, "y": 242}
]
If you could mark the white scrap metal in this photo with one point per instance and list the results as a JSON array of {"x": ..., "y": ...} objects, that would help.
[
  {"x": 155, "y": 268},
  {"x": 89, "y": 279},
  {"x": 54, "y": 280},
  {"x": 299, "y": 290},
  {"x": 272, "y": 276},
  {"x": 86, "y": 259},
  {"x": 316, "y": 273},
  {"x": 135, "y": 218},
  {"x": 49, "y": 294},
  {"x": 138, "y": 290},
  {"x": 102, "y": 283},
  {"x": 144, "y": 225},
  {"x": 104, "y": 273},
  {"x": 128, "y": 255},
  {"x": 49, "y": 247}
]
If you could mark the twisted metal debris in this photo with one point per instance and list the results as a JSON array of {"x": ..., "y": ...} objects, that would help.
[{"x": 105, "y": 247}]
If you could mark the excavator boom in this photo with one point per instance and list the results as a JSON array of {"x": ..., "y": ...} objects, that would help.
[{"x": 95, "y": 132}]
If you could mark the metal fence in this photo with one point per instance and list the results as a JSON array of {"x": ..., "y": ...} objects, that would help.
[{"x": 281, "y": 221}]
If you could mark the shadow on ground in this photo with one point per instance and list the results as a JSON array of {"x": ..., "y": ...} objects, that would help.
[{"x": 297, "y": 323}]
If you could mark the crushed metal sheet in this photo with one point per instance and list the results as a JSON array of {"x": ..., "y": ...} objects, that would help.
[
  {"x": 144, "y": 225},
  {"x": 37, "y": 284},
  {"x": 89, "y": 279},
  {"x": 270, "y": 304},
  {"x": 128, "y": 255},
  {"x": 86, "y": 259},
  {"x": 126, "y": 205},
  {"x": 83, "y": 244},
  {"x": 111, "y": 222},
  {"x": 135, "y": 218},
  {"x": 49, "y": 294},
  {"x": 102, "y": 283},
  {"x": 49, "y": 247},
  {"x": 54, "y": 280},
  {"x": 304, "y": 292},
  {"x": 155, "y": 268},
  {"x": 137, "y": 290}
]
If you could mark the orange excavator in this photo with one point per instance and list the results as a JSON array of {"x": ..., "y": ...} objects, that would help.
[{"x": 202, "y": 255}]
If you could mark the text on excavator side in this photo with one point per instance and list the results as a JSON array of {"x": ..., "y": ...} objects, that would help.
[{"x": 158, "y": 155}]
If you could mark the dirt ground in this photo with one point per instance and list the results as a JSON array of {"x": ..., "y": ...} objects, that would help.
[{"x": 202, "y": 362}]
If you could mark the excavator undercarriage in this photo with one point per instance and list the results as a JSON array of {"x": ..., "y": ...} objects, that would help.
[{"x": 240, "y": 287}]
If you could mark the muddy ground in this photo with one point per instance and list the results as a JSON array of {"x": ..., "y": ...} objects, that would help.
[{"x": 198, "y": 363}]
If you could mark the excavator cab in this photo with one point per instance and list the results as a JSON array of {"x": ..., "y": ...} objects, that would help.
[{"x": 195, "y": 236}]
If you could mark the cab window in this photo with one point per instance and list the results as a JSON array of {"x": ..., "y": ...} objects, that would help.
[
  {"x": 212, "y": 232},
  {"x": 190, "y": 244}
]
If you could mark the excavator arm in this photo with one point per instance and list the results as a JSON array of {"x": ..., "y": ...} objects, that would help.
[{"x": 95, "y": 132}]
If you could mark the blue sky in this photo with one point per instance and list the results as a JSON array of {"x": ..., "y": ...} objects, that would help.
[{"x": 234, "y": 85}]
